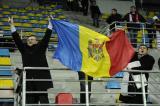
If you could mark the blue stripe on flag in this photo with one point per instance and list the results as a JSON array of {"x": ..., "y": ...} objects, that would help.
[{"x": 68, "y": 50}]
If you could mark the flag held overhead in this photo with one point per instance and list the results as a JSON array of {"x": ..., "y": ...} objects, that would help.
[{"x": 82, "y": 49}]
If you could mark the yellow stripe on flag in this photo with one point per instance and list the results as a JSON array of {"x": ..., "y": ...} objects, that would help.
[{"x": 95, "y": 58}]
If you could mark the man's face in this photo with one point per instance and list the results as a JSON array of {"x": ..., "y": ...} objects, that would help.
[
  {"x": 133, "y": 9},
  {"x": 31, "y": 41},
  {"x": 142, "y": 50},
  {"x": 114, "y": 12}
]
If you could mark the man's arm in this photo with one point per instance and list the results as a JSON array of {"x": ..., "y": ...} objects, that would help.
[
  {"x": 16, "y": 36},
  {"x": 44, "y": 42}
]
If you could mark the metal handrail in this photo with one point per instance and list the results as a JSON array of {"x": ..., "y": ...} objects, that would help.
[{"x": 101, "y": 80}]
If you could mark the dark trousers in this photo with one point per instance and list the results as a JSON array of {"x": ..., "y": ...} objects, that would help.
[
  {"x": 37, "y": 98},
  {"x": 134, "y": 98},
  {"x": 82, "y": 86},
  {"x": 85, "y": 9},
  {"x": 96, "y": 22}
]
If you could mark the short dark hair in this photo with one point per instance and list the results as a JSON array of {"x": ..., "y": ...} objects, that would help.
[
  {"x": 143, "y": 45},
  {"x": 31, "y": 36},
  {"x": 133, "y": 7},
  {"x": 114, "y": 9}
]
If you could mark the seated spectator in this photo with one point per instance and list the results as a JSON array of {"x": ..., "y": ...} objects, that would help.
[
  {"x": 115, "y": 16},
  {"x": 146, "y": 62}
]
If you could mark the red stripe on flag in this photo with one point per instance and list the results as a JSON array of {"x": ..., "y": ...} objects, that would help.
[{"x": 120, "y": 51}]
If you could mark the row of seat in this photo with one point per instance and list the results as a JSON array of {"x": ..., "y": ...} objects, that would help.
[{"x": 6, "y": 82}]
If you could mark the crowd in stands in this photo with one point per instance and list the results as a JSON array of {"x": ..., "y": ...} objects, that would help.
[{"x": 133, "y": 19}]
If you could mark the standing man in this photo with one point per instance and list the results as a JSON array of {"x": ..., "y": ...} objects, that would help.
[
  {"x": 95, "y": 14},
  {"x": 34, "y": 55},
  {"x": 115, "y": 16},
  {"x": 146, "y": 63},
  {"x": 81, "y": 76},
  {"x": 134, "y": 18},
  {"x": 85, "y": 4}
]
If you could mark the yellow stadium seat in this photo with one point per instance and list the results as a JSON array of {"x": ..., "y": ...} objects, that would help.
[
  {"x": 18, "y": 24},
  {"x": 5, "y": 61},
  {"x": 6, "y": 12},
  {"x": 43, "y": 22},
  {"x": 5, "y": 6},
  {"x": 6, "y": 94},
  {"x": 1, "y": 15},
  {"x": 15, "y": 16},
  {"x": 4, "y": 19},
  {"x": 1, "y": 23},
  {"x": 13, "y": 10},
  {"x": 53, "y": 6},
  {"x": 58, "y": 10},
  {"x": 26, "y": 25},
  {"x": 38, "y": 30},
  {"x": 24, "y": 17},
  {"x": 39, "y": 15},
  {"x": 6, "y": 83},
  {"x": 31, "y": 14},
  {"x": 6, "y": 28},
  {"x": 52, "y": 13},
  {"x": 34, "y": 21},
  {"x": 61, "y": 17},
  {"x": 28, "y": 33}
]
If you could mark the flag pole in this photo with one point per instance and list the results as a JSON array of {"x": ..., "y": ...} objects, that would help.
[{"x": 86, "y": 90}]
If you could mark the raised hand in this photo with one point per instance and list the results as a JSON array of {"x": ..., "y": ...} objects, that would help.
[{"x": 10, "y": 20}]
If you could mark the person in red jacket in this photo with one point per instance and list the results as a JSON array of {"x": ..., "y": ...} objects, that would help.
[{"x": 134, "y": 18}]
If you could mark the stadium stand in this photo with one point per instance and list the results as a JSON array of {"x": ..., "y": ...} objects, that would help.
[
  {"x": 6, "y": 82},
  {"x": 29, "y": 20}
]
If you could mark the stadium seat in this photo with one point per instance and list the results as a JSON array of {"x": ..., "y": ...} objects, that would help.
[
  {"x": 5, "y": 73},
  {"x": 6, "y": 84},
  {"x": 119, "y": 75},
  {"x": 6, "y": 94},
  {"x": 5, "y": 61},
  {"x": 113, "y": 84},
  {"x": 4, "y": 53}
]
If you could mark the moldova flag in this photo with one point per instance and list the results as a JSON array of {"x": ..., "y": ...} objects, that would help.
[{"x": 82, "y": 49}]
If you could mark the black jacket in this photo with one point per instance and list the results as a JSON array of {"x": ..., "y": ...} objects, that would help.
[
  {"x": 95, "y": 11},
  {"x": 35, "y": 56},
  {"x": 113, "y": 18},
  {"x": 147, "y": 62}
]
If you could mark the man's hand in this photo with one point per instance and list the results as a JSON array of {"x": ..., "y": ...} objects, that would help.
[
  {"x": 50, "y": 17},
  {"x": 10, "y": 20}
]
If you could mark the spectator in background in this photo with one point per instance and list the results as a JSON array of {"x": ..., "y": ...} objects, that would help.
[
  {"x": 34, "y": 55},
  {"x": 95, "y": 14},
  {"x": 115, "y": 16},
  {"x": 70, "y": 4},
  {"x": 146, "y": 63},
  {"x": 85, "y": 4},
  {"x": 159, "y": 63},
  {"x": 157, "y": 26},
  {"x": 83, "y": 87},
  {"x": 134, "y": 18}
]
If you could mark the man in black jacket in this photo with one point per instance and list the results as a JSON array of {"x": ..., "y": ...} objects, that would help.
[
  {"x": 34, "y": 55},
  {"x": 147, "y": 62},
  {"x": 115, "y": 16}
]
